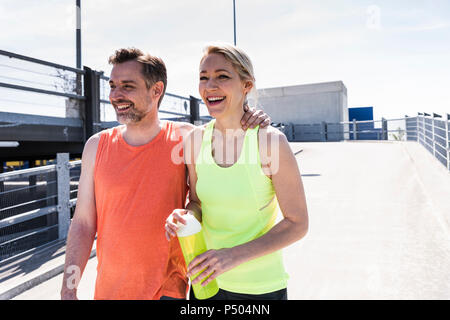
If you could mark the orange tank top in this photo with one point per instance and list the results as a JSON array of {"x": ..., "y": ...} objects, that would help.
[{"x": 136, "y": 188}]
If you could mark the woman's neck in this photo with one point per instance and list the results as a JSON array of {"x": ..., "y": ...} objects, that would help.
[{"x": 230, "y": 122}]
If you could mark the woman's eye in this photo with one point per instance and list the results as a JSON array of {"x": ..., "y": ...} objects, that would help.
[
  {"x": 203, "y": 78},
  {"x": 223, "y": 76}
]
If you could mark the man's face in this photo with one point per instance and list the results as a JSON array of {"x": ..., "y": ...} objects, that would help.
[{"x": 129, "y": 94}]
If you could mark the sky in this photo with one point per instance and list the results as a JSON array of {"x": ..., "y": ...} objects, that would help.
[{"x": 392, "y": 55}]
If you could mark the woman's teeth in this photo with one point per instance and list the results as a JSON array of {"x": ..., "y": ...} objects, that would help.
[{"x": 215, "y": 99}]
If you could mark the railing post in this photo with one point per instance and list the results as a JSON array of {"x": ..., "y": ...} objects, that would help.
[
  {"x": 422, "y": 129},
  {"x": 447, "y": 139},
  {"x": 2, "y": 187},
  {"x": 63, "y": 206},
  {"x": 92, "y": 103},
  {"x": 384, "y": 129},
  {"x": 417, "y": 128},
  {"x": 194, "y": 110},
  {"x": 432, "y": 135},
  {"x": 354, "y": 129}
]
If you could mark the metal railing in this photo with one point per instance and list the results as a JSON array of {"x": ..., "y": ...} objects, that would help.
[
  {"x": 432, "y": 131},
  {"x": 36, "y": 205},
  {"x": 384, "y": 129},
  {"x": 173, "y": 106},
  {"x": 71, "y": 94}
]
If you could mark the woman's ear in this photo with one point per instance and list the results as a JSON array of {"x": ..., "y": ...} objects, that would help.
[{"x": 248, "y": 85}]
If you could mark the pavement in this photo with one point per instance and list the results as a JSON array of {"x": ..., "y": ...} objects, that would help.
[{"x": 379, "y": 221}]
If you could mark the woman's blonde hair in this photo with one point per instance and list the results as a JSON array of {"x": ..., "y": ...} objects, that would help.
[{"x": 238, "y": 58}]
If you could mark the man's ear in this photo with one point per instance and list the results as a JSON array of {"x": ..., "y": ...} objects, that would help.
[{"x": 157, "y": 89}]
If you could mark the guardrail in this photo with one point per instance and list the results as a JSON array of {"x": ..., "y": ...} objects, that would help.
[
  {"x": 77, "y": 99},
  {"x": 383, "y": 129},
  {"x": 36, "y": 205},
  {"x": 430, "y": 130},
  {"x": 433, "y": 132}
]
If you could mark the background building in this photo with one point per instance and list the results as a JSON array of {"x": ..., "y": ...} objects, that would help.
[{"x": 306, "y": 107}]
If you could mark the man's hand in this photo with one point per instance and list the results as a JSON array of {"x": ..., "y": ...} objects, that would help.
[{"x": 253, "y": 117}]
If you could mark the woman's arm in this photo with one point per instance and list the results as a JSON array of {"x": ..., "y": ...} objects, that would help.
[
  {"x": 282, "y": 166},
  {"x": 192, "y": 145}
]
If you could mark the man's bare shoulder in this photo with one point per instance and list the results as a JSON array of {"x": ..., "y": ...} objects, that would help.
[
  {"x": 93, "y": 141},
  {"x": 90, "y": 148}
]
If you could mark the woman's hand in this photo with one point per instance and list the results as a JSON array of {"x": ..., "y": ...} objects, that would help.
[
  {"x": 214, "y": 262},
  {"x": 172, "y": 222}
]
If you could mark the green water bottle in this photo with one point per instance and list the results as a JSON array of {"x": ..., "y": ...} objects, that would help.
[{"x": 192, "y": 244}]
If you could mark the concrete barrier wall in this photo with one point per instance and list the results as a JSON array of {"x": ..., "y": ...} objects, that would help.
[{"x": 306, "y": 104}]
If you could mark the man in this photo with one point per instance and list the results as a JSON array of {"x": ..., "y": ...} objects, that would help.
[{"x": 129, "y": 185}]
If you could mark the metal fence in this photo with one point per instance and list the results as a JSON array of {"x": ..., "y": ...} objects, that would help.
[
  {"x": 433, "y": 132},
  {"x": 430, "y": 130},
  {"x": 62, "y": 105},
  {"x": 36, "y": 205},
  {"x": 384, "y": 129}
]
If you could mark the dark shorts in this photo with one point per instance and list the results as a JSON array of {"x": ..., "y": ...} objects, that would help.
[
  {"x": 169, "y": 298},
  {"x": 227, "y": 295}
]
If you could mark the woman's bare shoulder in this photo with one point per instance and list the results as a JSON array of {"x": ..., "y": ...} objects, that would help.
[{"x": 270, "y": 135}]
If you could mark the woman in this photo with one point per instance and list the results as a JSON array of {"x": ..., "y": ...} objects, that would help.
[{"x": 237, "y": 180}]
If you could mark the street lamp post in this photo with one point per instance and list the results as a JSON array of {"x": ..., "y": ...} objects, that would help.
[
  {"x": 234, "y": 20},
  {"x": 78, "y": 34}
]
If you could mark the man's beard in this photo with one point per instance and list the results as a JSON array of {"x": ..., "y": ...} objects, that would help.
[{"x": 131, "y": 116}]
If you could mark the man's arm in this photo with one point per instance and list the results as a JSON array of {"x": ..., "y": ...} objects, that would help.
[
  {"x": 253, "y": 117},
  {"x": 84, "y": 224}
]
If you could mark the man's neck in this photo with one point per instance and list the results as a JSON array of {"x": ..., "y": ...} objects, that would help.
[{"x": 141, "y": 133}]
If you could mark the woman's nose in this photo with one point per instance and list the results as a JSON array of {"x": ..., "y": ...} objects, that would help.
[{"x": 211, "y": 84}]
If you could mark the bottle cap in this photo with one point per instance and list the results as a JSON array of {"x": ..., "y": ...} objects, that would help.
[{"x": 191, "y": 227}]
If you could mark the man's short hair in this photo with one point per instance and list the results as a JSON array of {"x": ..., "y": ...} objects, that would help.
[{"x": 153, "y": 68}]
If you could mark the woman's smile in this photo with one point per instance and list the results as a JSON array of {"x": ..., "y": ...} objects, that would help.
[{"x": 215, "y": 100}]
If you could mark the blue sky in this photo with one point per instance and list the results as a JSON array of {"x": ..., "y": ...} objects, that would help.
[{"x": 393, "y": 55}]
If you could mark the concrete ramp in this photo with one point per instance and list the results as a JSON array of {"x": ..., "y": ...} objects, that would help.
[{"x": 379, "y": 223}]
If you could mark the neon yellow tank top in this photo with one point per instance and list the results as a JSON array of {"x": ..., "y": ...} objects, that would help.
[{"x": 238, "y": 206}]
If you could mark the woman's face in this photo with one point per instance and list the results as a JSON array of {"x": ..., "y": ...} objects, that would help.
[{"x": 220, "y": 86}]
